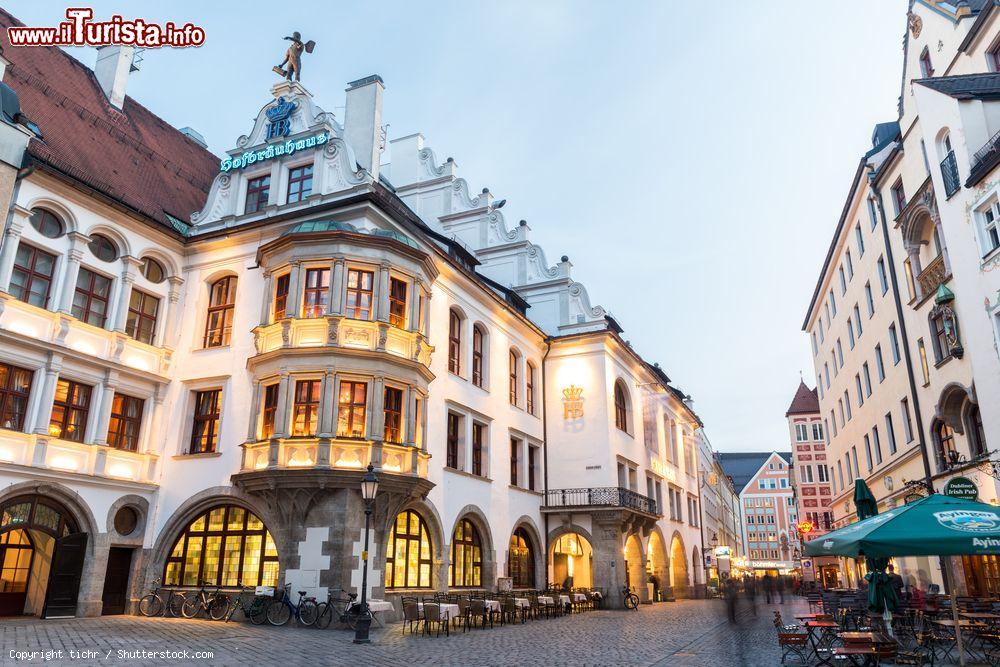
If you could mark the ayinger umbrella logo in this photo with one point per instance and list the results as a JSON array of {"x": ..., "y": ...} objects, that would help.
[{"x": 970, "y": 521}]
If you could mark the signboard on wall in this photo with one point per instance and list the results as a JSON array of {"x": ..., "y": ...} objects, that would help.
[{"x": 961, "y": 487}]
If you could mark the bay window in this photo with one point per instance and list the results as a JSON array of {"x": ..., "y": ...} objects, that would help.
[
  {"x": 359, "y": 294},
  {"x": 70, "y": 410},
  {"x": 305, "y": 409},
  {"x": 352, "y": 409}
]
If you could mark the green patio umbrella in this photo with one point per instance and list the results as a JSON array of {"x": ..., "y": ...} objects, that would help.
[
  {"x": 933, "y": 526},
  {"x": 882, "y": 598}
]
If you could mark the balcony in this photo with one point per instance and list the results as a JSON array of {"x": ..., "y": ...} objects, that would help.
[
  {"x": 337, "y": 453},
  {"x": 62, "y": 457},
  {"x": 608, "y": 496},
  {"x": 338, "y": 331},
  {"x": 933, "y": 275},
  {"x": 984, "y": 160},
  {"x": 949, "y": 173}
]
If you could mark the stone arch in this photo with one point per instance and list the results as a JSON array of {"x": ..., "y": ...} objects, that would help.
[
  {"x": 657, "y": 559},
  {"x": 70, "y": 500},
  {"x": 526, "y": 523},
  {"x": 170, "y": 266},
  {"x": 482, "y": 526},
  {"x": 65, "y": 213},
  {"x": 120, "y": 240},
  {"x": 635, "y": 565},
  {"x": 951, "y": 405},
  {"x": 679, "y": 581},
  {"x": 561, "y": 570},
  {"x": 917, "y": 226},
  {"x": 440, "y": 544},
  {"x": 141, "y": 507}
]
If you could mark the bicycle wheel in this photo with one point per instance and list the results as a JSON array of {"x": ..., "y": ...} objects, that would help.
[
  {"x": 352, "y": 615},
  {"x": 258, "y": 610},
  {"x": 278, "y": 612},
  {"x": 218, "y": 607},
  {"x": 307, "y": 612},
  {"x": 632, "y": 601},
  {"x": 191, "y": 607},
  {"x": 324, "y": 615},
  {"x": 175, "y": 604},
  {"x": 151, "y": 605}
]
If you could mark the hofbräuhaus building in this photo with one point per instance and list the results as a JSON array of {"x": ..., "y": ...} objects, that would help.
[{"x": 200, "y": 355}]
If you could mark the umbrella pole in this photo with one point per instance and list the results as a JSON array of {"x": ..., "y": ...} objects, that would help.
[{"x": 950, "y": 582}]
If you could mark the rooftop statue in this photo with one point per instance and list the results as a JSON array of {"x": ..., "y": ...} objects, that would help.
[{"x": 293, "y": 57}]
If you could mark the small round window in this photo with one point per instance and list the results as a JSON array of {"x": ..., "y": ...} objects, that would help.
[
  {"x": 126, "y": 521},
  {"x": 152, "y": 270},
  {"x": 103, "y": 248},
  {"x": 46, "y": 223}
]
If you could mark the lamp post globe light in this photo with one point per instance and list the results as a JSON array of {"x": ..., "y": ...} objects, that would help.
[{"x": 369, "y": 487}]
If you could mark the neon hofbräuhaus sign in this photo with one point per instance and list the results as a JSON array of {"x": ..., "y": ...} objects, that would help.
[{"x": 272, "y": 151}]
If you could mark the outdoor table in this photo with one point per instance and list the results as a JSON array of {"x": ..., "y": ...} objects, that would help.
[
  {"x": 950, "y": 623},
  {"x": 821, "y": 636},
  {"x": 564, "y": 599},
  {"x": 854, "y": 651},
  {"x": 378, "y": 606},
  {"x": 523, "y": 603},
  {"x": 448, "y": 609},
  {"x": 579, "y": 597},
  {"x": 492, "y": 605},
  {"x": 979, "y": 615},
  {"x": 545, "y": 599}
]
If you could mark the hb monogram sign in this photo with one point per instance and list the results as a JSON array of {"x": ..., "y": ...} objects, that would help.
[
  {"x": 280, "y": 119},
  {"x": 572, "y": 402}
]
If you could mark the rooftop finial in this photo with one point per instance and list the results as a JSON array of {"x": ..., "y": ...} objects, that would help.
[{"x": 293, "y": 57}]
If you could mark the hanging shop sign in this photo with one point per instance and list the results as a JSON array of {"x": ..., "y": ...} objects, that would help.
[
  {"x": 961, "y": 487},
  {"x": 272, "y": 151},
  {"x": 805, "y": 527}
]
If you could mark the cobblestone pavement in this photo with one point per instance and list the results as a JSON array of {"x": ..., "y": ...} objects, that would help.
[{"x": 684, "y": 634}]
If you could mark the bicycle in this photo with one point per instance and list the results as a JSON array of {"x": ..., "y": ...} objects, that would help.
[
  {"x": 347, "y": 610},
  {"x": 280, "y": 610},
  {"x": 631, "y": 599},
  {"x": 255, "y": 611},
  {"x": 215, "y": 605},
  {"x": 152, "y": 604}
]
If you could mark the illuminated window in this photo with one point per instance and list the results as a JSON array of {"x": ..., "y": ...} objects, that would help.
[
  {"x": 281, "y": 297},
  {"x": 226, "y": 546},
  {"x": 317, "y": 293},
  {"x": 397, "y": 303},
  {"x": 270, "y": 411},
  {"x": 141, "y": 321},
  {"x": 15, "y": 387},
  {"x": 305, "y": 411},
  {"x": 69, "y": 411},
  {"x": 520, "y": 560},
  {"x": 126, "y": 417},
  {"x": 352, "y": 409},
  {"x": 205, "y": 430},
  {"x": 31, "y": 278},
  {"x": 16, "y": 553},
  {"x": 408, "y": 555},
  {"x": 359, "y": 294},
  {"x": 393, "y": 411},
  {"x": 258, "y": 190},
  {"x": 221, "y": 304},
  {"x": 466, "y": 556}
]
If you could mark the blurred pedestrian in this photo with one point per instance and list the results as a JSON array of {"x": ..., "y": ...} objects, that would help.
[
  {"x": 750, "y": 590},
  {"x": 729, "y": 591},
  {"x": 768, "y": 584}
]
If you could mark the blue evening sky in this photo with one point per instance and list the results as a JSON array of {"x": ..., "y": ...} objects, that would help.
[{"x": 691, "y": 158}]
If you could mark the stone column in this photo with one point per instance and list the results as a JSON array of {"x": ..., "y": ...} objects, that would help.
[
  {"x": 609, "y": 559},
  {"x": 73, "y": 259},
  {"x": 171, "y": 315},
  {"x": 281, "y": 418},
  {"x": 337, "y": 278},
  {"x": 43, "y": 412},
  {"x": 410, "y": 414},
  {"x": 8, "y": 251},
  {"x": 427, "y": 315},
  {"x": 152, "y": 420},
  {"x": 376, "y": 413},
  {"x": 414, "y": 306},
  {"x": 382, "y": 295},
  {"x": 254, "y": 412},
  {"x": 296, "y": 289},
  {"x": 125, "y": 293},
  {"x": 265, "y": 305},
  {"x": 326, "y": 401},
  {"x": 913, "y": 252}
]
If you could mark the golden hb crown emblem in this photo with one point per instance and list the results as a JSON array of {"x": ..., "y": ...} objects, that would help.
[{"x": 572, "y": 402}]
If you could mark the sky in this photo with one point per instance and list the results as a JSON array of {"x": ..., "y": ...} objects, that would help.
[{"x": 691, "y": 158}]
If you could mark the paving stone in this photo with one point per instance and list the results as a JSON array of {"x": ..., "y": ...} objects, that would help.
[{"x": 685, "y": 633}]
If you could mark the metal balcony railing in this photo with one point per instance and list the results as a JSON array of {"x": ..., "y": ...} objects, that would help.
[
  {"x": 949, "y": 172},
  {"x": 984, "y": 157},
  {"x": 933, "y": 275},
  {"x": 607, "y": 496}
]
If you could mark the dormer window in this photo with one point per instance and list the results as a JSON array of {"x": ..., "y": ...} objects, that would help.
[{"x": 926, "y": 70}]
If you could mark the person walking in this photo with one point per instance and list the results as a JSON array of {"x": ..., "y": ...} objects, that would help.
[
  {"x": 750, "y": 590},
  {"x": 768, "y": 583},
  {"x": 729, "y": 591}
]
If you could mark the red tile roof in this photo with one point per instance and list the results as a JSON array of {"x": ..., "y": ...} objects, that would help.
[
  {"x": 133, "y": 157},
  {"x": 805, "y": 401}
]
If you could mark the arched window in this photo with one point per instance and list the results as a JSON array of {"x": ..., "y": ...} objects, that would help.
[
  {"x": 225, "y": 546},
  {"x": 521, "y": 560},
  {"x": 47, "y": 223},
  {"x": 515, "y": 379},
  {"x": 478, "y": 343},
  {"x": 103, "y": 248},
  {"x": 466, "y": 556},
  {"x": 455, "y": 342},
  {"x": 408, "y": 554},
  {"x": 945, "y": 437},
  {"x": 622, "y": 408},
  {"x": 221, "y": 302},
  {"x": 152, "y": 270},
  {"x": 974, "y": 427},
  {"x": 529, "y": 388}
]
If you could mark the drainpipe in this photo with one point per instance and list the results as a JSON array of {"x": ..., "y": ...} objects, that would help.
[
  {"x": 22, "y": 173},
  {"x": 902, "y": 330},
  {"x": 545, "y": 459}
]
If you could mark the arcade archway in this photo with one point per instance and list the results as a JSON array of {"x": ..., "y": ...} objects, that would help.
[
  {"x": 572, "y": 561},
  {"x": 657, "y": 562},
  {"x": 679, "y": 580}
]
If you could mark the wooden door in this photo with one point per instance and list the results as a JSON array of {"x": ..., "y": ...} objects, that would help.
[
  {"x": 116, "y": 581},
  {"x": 64, "y": 577}
]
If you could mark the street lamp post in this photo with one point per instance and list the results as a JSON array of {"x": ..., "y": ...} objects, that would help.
[{"x": 369, "y": 487}]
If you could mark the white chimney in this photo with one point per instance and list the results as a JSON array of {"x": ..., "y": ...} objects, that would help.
[
  {"x": 363, "y": 121},
  {"x": 114, "y": 63}
]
